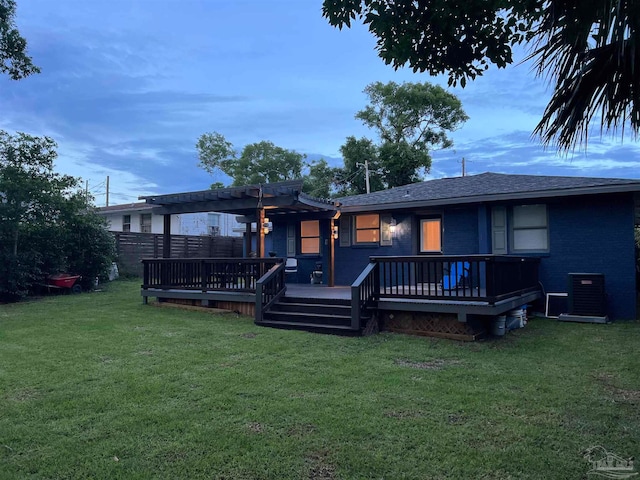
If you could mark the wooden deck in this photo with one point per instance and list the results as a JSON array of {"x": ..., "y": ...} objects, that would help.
[{"x": 459, "y": 286}]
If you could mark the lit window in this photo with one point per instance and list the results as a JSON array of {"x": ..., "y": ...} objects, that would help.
[
  {"x": 145, "y": 223},
  {"x": 530, "y": 230},
  {"x": 431, "y": 235},
  {"x": 368, "y": 228},
  {"x": 126, "y": 223},
  {"x": 310, "y": 236}
]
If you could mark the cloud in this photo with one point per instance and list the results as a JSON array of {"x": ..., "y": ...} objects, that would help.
[{"x": 517, "y": 152}]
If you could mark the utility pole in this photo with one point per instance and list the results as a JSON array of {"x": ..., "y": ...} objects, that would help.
[
  {"x": 463, "y": 167},
  {"x": 86, "y": 191},
  {"x": 366, "y": 174},
  {"x": 108, "y": 190}
]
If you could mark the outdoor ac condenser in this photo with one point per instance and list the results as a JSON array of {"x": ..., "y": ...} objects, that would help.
[{"x": 587, "y": 301}]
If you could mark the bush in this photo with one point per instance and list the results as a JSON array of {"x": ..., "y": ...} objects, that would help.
[{"x": 18, "y": 275}]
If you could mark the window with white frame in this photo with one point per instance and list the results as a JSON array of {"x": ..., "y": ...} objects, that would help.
[
  {"x": 145, "y": 223},
  {"x": 126, "y": 223},
  {"x": 529, "y": 228}
]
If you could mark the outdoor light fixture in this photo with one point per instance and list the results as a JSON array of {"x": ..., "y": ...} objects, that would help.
[
  {"x": 267, "y": 226},
  {"x": 392, "y": 225},
  {"x": 335, "y": 232}
]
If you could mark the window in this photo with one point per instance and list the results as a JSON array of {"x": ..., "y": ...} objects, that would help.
[
  {"x": 367, "y": 228},
  {"x": 310, "y": 237},
  {"x": 213, "y": 219},
  {"x": 126, "y": 223},
  {"x": 213, "y": 224},
  {"x": 145, "y": 223},
  {"x": 431, "y": 235},
  {"x": 529, "y": 230}
]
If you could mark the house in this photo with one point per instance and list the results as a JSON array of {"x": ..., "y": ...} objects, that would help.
[
  {"x": 472, "y": 246},
  {"x": 139, "y": 218}
]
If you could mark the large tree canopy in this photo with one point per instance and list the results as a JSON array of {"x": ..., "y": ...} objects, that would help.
[
  {"x": 410, "y": 119},
  {"x": 261, "y": 162},
  {"x": 589, "y": 49},
  {"x": 14, "y": 60}
]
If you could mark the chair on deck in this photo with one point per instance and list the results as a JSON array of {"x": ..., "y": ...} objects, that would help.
[
  {"x": 458, "y": 276},
  {"x": 291, "y": 267}
]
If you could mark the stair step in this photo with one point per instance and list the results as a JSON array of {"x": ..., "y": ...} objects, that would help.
[
  {"x": 311, "y": 318},
  {"x": 310, "y": 327},
  {"x": 316, "y": 301},
  {"x": 312, "y": 308}
]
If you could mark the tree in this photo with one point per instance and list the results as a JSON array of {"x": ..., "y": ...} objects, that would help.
[
  {"x": 410, "y": 119},
  {"x": 589, "y": 49},
  {"x": 46, "y": 223},
  {"x": 30, "y": 191},
  {"x": 350, "y": 180},
  {"x": 320, "y": 179},
  {"x": 261, "y": 162},
  {"x": 14, "y": 60}
]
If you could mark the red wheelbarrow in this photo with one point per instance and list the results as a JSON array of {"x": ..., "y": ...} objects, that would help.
[{"x": 65, "y": 281}]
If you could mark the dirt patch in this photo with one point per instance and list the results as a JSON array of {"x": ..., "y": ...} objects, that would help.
[
  {"x": 618, "y": 394},
  {"x": 24, "y": 395},
  {"x": 147, "y": 353},
  {"x": 301, "y": 430},
  {"x": 436, "y": 364},
  {"x": 456, "y": 418},
  {"x": 255, "y": 427},
  {"x": 249, "y": 335},
  {"x": 320, "y": 467}
]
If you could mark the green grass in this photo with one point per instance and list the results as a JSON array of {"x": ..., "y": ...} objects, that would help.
[{"x": 100, "y": 386}]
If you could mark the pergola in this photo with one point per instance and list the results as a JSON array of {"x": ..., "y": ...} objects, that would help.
[{"x": 252, "y": 204}]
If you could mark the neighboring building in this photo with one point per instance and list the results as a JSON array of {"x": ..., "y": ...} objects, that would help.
[{"x": 139, "y": 218}]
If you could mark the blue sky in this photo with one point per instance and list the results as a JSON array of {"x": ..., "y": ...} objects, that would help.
[{"x": 127, "y": 87}]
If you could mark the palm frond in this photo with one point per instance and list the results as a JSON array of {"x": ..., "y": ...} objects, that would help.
[{"x": 590, "y": 50}]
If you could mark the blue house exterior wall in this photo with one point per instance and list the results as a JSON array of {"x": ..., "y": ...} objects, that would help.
[
  {"x": 306, "y": 263},
  {"x": 588, "y": 234},
  {"x": 460, "y": 231},
  {"x": 593, "y": 235},
  {"x": 350, "y": 261}
]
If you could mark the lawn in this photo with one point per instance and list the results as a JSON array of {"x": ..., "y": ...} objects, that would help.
[{"x": 100, "y": 386}]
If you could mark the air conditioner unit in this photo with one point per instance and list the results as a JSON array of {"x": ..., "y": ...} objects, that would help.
[
  {"x": 214, "y": 230},
  {"x": 587, "y": 300}
]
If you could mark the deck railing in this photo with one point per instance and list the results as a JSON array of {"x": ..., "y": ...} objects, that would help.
[
  {"x": 206, "y": 274},
  {"x": 485, "y": 278},
  {"x": 268, "y": 289},
  {"x": 364, "y": 291}
]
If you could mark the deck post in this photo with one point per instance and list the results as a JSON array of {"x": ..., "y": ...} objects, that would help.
[
  {"x": 332, "y": 255},
  {"x": 355, "y": 307},
  {"x": 260, "y": 233},
  {"x": 247, "y": 239},
  {"x": 166, "y": 236}
]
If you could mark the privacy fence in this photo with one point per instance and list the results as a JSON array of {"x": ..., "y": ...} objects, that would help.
[{"x": 133, "y": 247}]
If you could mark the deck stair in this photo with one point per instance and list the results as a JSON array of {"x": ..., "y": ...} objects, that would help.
[{"x": 325, "y": 315}]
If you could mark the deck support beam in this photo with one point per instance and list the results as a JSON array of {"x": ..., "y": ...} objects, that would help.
[
  {"x": 260, "y": 233},
  {"x": 332, "y": 255},
  {"x": 166, "y": 236},
  {"x": 247, "y": 239}
]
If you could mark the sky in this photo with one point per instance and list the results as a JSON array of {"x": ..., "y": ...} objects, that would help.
[{"x": 128, "y": 86}]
